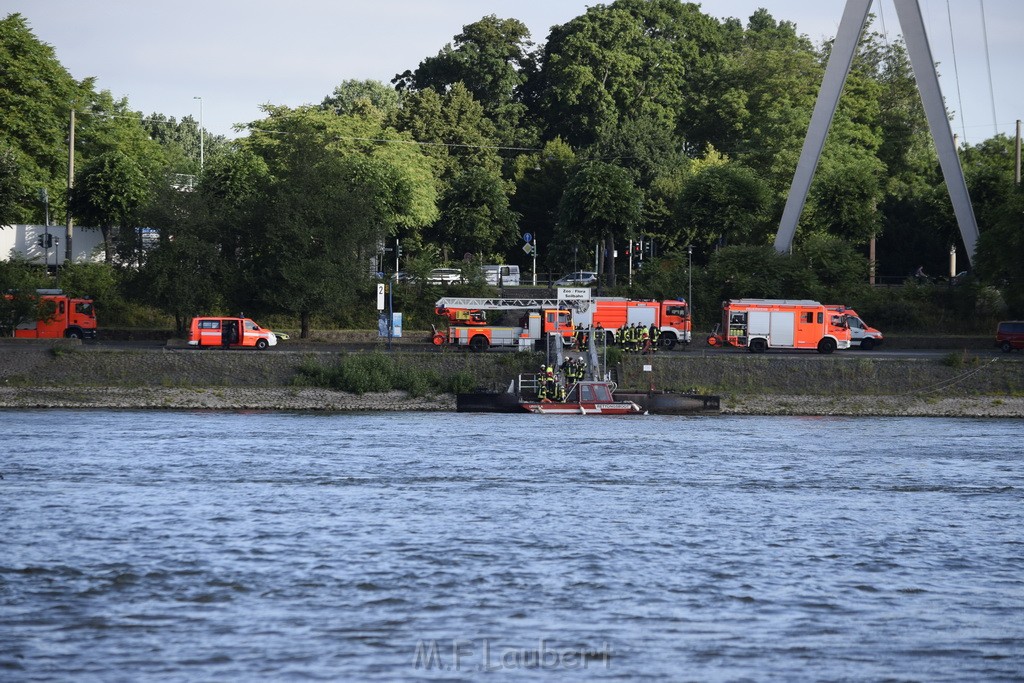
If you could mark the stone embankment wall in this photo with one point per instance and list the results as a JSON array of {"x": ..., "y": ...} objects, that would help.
[{"x": 959, "y": 383}]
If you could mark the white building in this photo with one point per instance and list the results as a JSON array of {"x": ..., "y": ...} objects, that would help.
[{"x": 23, "y": 241}]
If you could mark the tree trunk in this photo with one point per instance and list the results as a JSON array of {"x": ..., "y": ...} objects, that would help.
[
  {"x": 304, "y": 325},
  {"x": 108, "y": 255}
]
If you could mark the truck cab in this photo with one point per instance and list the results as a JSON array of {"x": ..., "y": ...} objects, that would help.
[{"x": 862, "y": 335}]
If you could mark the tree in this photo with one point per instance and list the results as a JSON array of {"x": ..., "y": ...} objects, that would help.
[
  {"x": 999, "y": 206},
  {"x": 491, "y": 58},
  {"x": 36, "y": 96},
  {"x": 839, "y": 270},
  {"x": 190, "y": 271},
  {"x": 121, "y": 165},
  {"x": 182, "y": 277},
  {"x": 229, "y": 187},
  {"x": 475, "y": 214},
  {"x": 845, "y": 196},
  {"x": 460, "y": 141},
  {"x": 601, "y": 201},
  {"x": 649, "y": 148},
  {"x": 11, "y": 190},
  {"x": 18, "y": 299},
  {"x": 361, "y": 97},
  {"x": 723, "y": 203},
  {"x": 757, "y": 271},
  {"x": 306, "y": 235},
  {"x": 541, "y": 179},
  {"x": 108, "y": 191},
  {"x": 626, "y": 60},
  {"x": 757, "y": 102},
  {"x": 333, "y": 192},
  {"x": 185, "y": 146}
]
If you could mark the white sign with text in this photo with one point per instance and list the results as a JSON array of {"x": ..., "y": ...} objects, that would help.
[{"x": 573, "y": 293}]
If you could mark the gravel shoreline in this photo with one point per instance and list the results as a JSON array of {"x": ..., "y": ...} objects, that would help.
[{"x": 310, "y": 399}]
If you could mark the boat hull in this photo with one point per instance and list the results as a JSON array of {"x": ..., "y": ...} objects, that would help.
[
  {"x": 653, "y": 403},
  {"x": 616, "y": 408}
]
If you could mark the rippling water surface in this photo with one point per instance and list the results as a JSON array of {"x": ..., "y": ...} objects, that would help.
[{"x": 282, "y": 546}]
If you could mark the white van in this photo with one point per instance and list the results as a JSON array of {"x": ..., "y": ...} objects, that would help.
[{"x": 502, "y": 276}]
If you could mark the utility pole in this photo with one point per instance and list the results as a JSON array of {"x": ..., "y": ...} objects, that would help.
[
  {"x": 1016, "y": 173},
  {"x": 68, "y": 253},
  {"x": 689, "y": 280},
  {"x": 202, "y": 134}
]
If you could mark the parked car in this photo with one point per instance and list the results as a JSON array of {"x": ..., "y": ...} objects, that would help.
[
  {"x": 444, "y": 276},
  {"x": 579, "y": 278},
  {"x": 438, "y": 276},
  {"x": 1010, "y": 335}
]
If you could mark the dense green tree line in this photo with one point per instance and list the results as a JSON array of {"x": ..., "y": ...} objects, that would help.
[{"x": 639, "y": 120}]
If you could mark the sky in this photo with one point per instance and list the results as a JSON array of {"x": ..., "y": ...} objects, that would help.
[{"x": 221, "y": 59}]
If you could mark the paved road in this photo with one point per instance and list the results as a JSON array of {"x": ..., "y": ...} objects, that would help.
[{"x": 292, "y": 346}]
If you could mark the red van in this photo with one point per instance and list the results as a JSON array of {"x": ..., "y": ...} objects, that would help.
[
  {"x": 1010, "y": 335},
  {"x": 227, "y": 333}
]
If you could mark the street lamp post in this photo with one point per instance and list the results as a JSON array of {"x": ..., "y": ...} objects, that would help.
[
  {"x": 689, "y": 278},
  {"x": 202, "y": 134},
  {"x": 44, "y": 196}
]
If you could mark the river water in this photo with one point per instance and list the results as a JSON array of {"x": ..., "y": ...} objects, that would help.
[{"x": 224, "y": 546}]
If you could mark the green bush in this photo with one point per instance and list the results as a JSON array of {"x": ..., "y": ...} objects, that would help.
[
  {"x": 460, "y": 383},
  {"x": 361, "y": 373}
]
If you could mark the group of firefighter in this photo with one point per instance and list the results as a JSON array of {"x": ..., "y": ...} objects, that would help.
[
  {"x": 552, "y": 387},
  {"x": 637, "y": 338}
]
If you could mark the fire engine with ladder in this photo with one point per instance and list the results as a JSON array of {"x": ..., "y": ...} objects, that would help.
[
  {"x": 537, "y": 318},
  {"x": 523, "y": 322}
]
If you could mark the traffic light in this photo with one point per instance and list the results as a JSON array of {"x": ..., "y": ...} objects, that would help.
[{"x": 45, "y": 241}]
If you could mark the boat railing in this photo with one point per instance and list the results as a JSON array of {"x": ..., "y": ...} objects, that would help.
[{"x": 527, "y": 383}]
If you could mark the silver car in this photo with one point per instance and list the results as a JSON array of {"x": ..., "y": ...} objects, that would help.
[{"x": 579, "y": 278}]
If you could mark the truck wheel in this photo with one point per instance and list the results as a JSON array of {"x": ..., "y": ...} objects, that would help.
[
  {"x": 667, "y": 341},
  {"x": 261, "y": 344},
  {"x": 437, "y": 339},
  {"x": 1006, "y": 347},
  {"x": 867, "y": 343},
  {"x": 826, "y": 345},
  {"x": 72, "y": 333},
  {"x": 712, "y": 340},
  {"x": 758, "y": 346},
  {"x": 478, "y": 343}
]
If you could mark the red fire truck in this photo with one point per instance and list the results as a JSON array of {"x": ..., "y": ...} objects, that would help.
[
  {"x": 57, "y": 315},
  {"x": 761, "y": 324},
  {"x": 671, "y": 317}
]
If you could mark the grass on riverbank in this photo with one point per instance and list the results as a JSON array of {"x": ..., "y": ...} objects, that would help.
[{"x": 361, "y": 373}]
